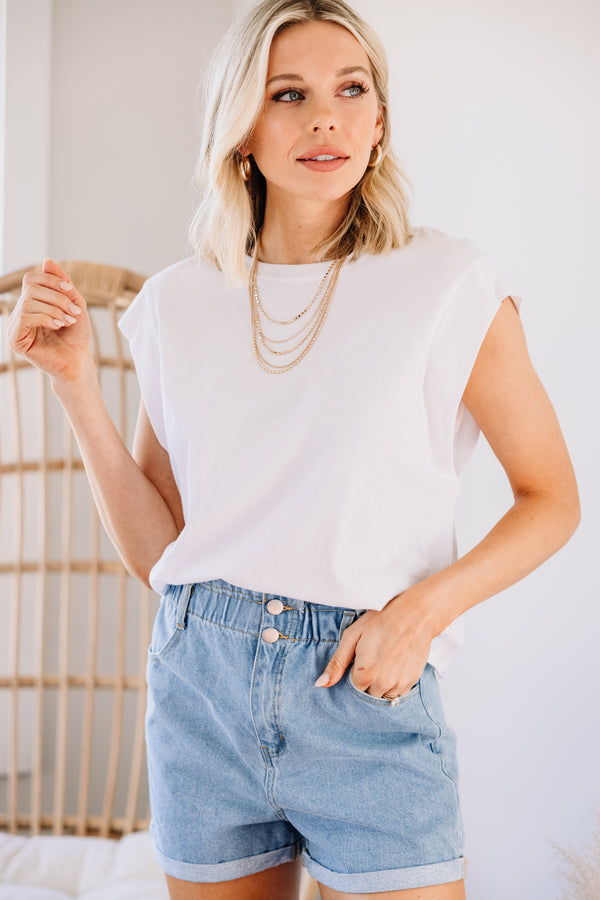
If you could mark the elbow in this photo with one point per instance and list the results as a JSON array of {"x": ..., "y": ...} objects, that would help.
[
  {"x": 559, "y": 508},
  {"x": 573, "y": 516},
  {"x": 140, "y": 562},
  {"x": 571, "y": 508},
  {"x": 140, "y": 574},
  {"x": 138, "y": 570},
  {"x": 144, "y": 578}
]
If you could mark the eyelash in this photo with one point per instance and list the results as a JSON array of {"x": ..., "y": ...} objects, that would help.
[{"x": 363, "y": 89}]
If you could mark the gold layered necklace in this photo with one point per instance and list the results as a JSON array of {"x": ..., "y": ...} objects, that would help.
[{"x": 307, "y": 333}]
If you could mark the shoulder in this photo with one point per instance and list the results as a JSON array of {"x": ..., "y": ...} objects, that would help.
[
  {"x": 178, "y": 285},
  {"x": 430, "y": 251},
  {"x": 450, "y": 254},
  {"x": 188, "y": 273},
  {"x": 424, "y": 274}
]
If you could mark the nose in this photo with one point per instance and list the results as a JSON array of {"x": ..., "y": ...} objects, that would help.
[
  {"x": 322, "y": 118},
  {"x": 323, "y": 126}
]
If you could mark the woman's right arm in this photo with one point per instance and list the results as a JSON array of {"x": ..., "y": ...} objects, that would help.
[{"x": 137, "y": 498}]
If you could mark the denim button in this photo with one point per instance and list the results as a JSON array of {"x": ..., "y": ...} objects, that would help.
[
  {"x": 270, "y": 635},
  {"x": 274, "y": 607},
  {"x": 395, "y": 701}
]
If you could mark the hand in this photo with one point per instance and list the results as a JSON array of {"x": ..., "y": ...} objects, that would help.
[
  {"x": 390, "y": 648},
  {"x": 49, "y": 325}
]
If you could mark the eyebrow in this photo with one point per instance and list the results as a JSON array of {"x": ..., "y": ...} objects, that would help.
[{"x": 291, "y": 76}]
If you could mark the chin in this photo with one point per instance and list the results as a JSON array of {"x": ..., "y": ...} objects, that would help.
[
  {"x": 320, "y": 188},
  {"x": 330, "y": 193}
]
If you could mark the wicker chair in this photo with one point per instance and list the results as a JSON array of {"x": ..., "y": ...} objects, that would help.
[{"x": 76, "y": 625}]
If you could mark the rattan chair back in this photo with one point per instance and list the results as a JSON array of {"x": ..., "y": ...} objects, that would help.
[{"x": 75, "y": 625}]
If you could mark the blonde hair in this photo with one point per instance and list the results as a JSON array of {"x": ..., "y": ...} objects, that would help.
[{"x": 230, "y": 211}]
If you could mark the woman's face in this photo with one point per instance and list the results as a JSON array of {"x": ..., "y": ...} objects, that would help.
[{"x": 320, "y": 101}]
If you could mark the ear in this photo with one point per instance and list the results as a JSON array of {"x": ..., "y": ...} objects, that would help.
[{"x": 379, "y": 128}]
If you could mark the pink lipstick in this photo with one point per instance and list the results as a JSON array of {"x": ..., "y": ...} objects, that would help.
[{"x": 323, "y": 159}]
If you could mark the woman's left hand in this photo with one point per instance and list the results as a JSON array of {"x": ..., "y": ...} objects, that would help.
[{"x": 389, "y": 647}]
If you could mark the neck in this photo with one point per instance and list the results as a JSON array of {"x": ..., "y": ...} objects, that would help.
[{"x": 290, "y": 231}]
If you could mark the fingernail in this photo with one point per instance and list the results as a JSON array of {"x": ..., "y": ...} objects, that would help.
[
  {"x": 73, "y": 308},
  {"x": 70, "y": 319},
  {"x": 66, "y": 285},
  {"x": 322, "y": 680},
  {"x": 58, "y": 323}
]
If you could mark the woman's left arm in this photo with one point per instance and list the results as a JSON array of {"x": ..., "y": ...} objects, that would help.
[{"x": 507, "y": 400}]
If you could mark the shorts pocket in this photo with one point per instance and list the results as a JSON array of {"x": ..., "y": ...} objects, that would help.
[
  {"x": 165, "y": 631},
  {"x": 381, "y": 701}
]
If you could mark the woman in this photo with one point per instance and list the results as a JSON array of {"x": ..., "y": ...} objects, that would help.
[{"x": 300, "y": 528}]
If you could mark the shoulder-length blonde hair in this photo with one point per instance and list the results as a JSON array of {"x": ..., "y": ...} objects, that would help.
[{"x": 230, "y": 211}]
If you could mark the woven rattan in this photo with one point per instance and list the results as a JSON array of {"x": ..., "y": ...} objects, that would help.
[{"x": 75, "y": 625}]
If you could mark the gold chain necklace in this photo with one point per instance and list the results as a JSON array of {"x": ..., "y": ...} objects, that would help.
[
  {"x": 300, "y": 314},
  {"x": 311, "y": 327}
]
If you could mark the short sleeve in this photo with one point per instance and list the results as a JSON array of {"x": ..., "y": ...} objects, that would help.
[
  {"x": 459, "y": 334},
  {"x": 139, "y": 324}
]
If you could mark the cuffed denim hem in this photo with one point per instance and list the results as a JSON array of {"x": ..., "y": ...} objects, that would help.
[
  {"x": 225, "y": 871},
  {"x": 389, "y": 879}
]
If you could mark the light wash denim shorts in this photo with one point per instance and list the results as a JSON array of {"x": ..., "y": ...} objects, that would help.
[{"x": 251, "y": 765}]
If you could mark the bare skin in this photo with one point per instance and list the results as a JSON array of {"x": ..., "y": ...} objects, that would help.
[
  {"x": 282, "y": 883},
  {"x": 137, "y": 496},
  {"x": 454, "y": 891},
  {"x": 278, "y": 883}
]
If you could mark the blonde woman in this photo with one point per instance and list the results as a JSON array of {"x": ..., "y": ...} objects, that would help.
[{"x": 313, "y": 381}]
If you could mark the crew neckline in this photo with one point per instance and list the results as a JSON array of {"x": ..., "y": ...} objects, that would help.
[
  {"x": 310, "y": 270},
  {"x": 289, "y": 270}
]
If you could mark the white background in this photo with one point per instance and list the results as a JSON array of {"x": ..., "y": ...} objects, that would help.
[{"x": 495, "y": 117}]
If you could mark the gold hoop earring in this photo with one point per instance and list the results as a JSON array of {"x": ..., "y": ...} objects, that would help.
[
  {"x": 378, "y": 157},
  {"x": 246, "y": 168}
]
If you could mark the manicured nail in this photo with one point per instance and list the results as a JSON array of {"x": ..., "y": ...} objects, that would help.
[
  {"x": 322, "y": 680},
  {"x": 73, "y": 308},
  {"x": 66, "y": 285},
  {"x": 70, "y": 319},
  {"x": 58, "y": 323}
]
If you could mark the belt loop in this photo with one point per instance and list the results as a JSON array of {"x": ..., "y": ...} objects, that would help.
[
  {"x": 350, "y": 616},
  {"x": 347, "y": 619},
  {"x": 182, "y": 605}
]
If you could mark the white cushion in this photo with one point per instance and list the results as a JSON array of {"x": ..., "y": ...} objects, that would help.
[
  {"x": 26, "y": 892},
  {"x": 88, "y": 868}
]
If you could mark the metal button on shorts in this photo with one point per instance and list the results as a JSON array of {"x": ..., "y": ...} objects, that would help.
[
  {"x": 270, "y": 635},
  {"x": 275, "y": 607}
]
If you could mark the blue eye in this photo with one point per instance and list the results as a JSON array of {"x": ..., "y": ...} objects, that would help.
[
  {"x": 291, "y": 94},
  {"x": 357, "y": 90}
]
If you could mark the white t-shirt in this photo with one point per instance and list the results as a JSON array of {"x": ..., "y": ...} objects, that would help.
[{"x": 335, "y": 482}]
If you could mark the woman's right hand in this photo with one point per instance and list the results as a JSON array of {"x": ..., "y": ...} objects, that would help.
[{"x": 50, "y": 326}]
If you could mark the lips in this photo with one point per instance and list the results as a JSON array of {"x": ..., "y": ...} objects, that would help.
[
  {"x": 317, "y": 153},
  {"x": 323, "y": 159}
]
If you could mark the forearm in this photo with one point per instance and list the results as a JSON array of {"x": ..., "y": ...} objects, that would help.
[
  {"x": 133, "y": 512},
  {"x": 534, "y": 528}
]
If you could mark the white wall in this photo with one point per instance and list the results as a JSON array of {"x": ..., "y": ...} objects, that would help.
[
  {"x": 102, "y": 128},
  {"x": 25, "y": 61},
  {"x": 495, "y": 116},
  {"x": 124, "y": 132}
]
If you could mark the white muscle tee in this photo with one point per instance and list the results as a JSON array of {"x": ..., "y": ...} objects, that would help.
[{"x": 335, "y": 482}]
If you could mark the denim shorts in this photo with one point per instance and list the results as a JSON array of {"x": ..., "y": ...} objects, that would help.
[{"x": 251, "y": 765}]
